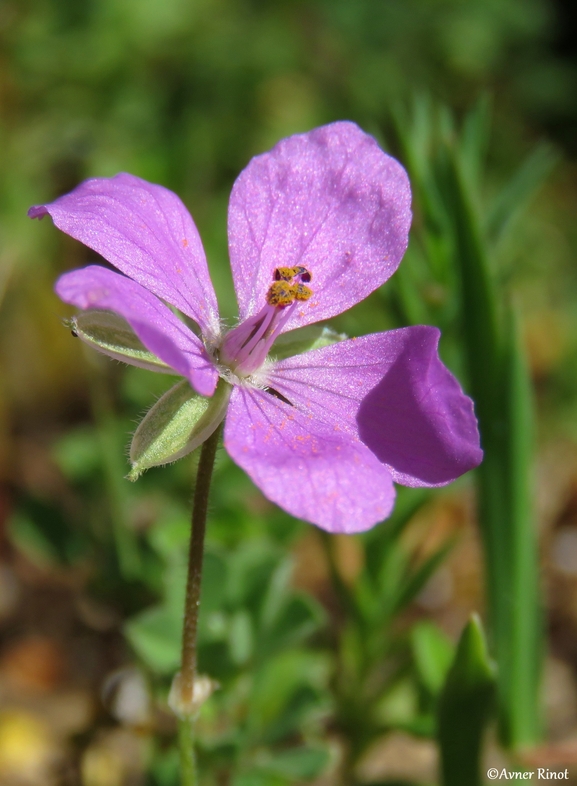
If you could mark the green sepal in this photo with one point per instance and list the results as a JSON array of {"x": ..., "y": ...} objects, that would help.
[
  {"x": 179, "y": 422},
  {"x": 112, "y": 335},
  {"x": 295, "y": 342}
]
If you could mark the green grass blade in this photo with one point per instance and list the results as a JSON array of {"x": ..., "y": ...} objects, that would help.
[
  {"x": 524, "y": 639},
  {"x": 519, "y": 190},
  {"x": 474, "y": 140},
  {"x": 500, "y": 389}
]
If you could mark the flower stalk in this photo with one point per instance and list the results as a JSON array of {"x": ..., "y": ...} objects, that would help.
[
  {"x": 195, "y": 557},
  {"x": 190, "y": 690}
]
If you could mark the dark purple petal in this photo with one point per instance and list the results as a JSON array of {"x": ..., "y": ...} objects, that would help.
[
  {"x": 312, "y": 469},
  {"x": 153, "y": 322},
  {"x": 331, "y": 201},
  {"x": 146, "y": 232},
  {"x": 391, "y": 390}
]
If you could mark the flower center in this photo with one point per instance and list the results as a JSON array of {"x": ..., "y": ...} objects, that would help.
[{"x": 245, "y": 348}]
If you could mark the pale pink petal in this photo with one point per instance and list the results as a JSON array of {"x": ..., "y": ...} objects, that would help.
[
  {"x": 330, "y": 200},
  {"x": 310, "y": 468},
  {"x": 391, "y": 390},
  {"x": 146, "y": 232},
  {"x": 153, "y": 322}
]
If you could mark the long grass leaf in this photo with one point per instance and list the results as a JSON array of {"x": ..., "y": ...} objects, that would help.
[{"x": 500, "y": 391}]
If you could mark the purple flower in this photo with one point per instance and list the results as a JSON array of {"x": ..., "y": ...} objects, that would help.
[{"x": 315, "y": 225}]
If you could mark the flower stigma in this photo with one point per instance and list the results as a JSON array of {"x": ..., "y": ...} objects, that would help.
[{"x": 245, "y": 348}]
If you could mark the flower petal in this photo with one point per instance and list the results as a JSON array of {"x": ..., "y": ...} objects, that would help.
[
  {"x": 153, "y": 322},
  {"x": 146, "y": 232},
  {"x": 330, "y": 200},
  {"x": 313, "y": 470},
  {"x": 391, "y": 390}
]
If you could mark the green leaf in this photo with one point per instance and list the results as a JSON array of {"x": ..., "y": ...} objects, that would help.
[
  {"x": 298, "y": 618},
  {"x": 478, "y": 295},
  {"x": 240, "y": 637},
  {"x": 112, "y": 335},
  {"x": 296, "y": 764},
  {"x": 519, "y": 625},
  {"x": 399, "y": 705},
  {"x": 251, "y": 567},
  {"x": 179, "y": 422},
  {"x": 303, "y": 340},
  {"x": 464, "y": 708},
  {"x": 433, "y": 653},
  {"x": 475, "y": 141},
  {"x": 156, "y": 632},
  {"x": 214, "y": 578},
  {"x": 170, "y": 532},
  {"x": 77, "y": 453},
  {"x": 277, "y": 685},
  {"x": 304, "y": 703},
  {"x": 276, "y": 593},
  {"x": 156, "y": 635},
  {"x": 257, "y": 778},
  {"x": 32, "y": 540},
  {"x": 514, "y": 196},
  {"x": 500, "y": 387},
  {"x": 41, "y": 532},
  {"x": 286, "y": 617},
  {"x": 379, "y": 541},
  {"x": 415, "y": 581}
]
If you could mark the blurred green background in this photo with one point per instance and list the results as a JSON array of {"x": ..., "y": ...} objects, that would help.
[{"x": 302, "y": 634}]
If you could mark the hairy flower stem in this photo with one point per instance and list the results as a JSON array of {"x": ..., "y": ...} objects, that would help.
[
  {"x": 195, "y": 556},
  {"x": 188, "y": 689}
]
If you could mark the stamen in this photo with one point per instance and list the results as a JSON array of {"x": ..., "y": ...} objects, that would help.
[
  {"x": 284, "y": 274},
  {"x": 253, "y": 332},
  {"x": 245, "y": 348},
  {"x": 301, "y": 292},
  {"x": 285, "y": 289},
  {"x": 280, "y": 294},
  {"x": 304, "y": 274}
]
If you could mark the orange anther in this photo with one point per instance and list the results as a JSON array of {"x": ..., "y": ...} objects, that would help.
[
  {"x": 284, "y": 274},
  {"x": 302, "y": 292},
  {"x": 282, "y": 292}
]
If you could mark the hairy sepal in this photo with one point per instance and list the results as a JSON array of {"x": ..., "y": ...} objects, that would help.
[
  {"x": 179, "y": 422},
  {"x": 113, "y": 336}
]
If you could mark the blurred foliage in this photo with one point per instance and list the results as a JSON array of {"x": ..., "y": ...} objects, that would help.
[{"x": 314, "y": 666}]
